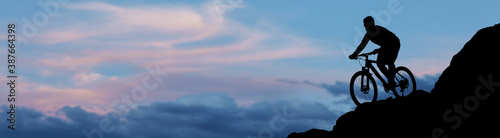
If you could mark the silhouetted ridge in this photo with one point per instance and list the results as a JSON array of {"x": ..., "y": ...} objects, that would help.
[
  {"x": 479, "y": 56},
  {"x": 463, "y": 103}
]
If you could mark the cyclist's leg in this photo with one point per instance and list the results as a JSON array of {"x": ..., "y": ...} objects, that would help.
[
  {"x": 387, "y": 57},
  {"x": 392, "y": 55},
  {"x": 381, "y": 64}
]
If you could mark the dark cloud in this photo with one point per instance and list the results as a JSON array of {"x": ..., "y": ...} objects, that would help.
[
  {"x": 31, "y": 123},
  {"x": 339, "y": 87},
  {"x": 202, "y": 115}
]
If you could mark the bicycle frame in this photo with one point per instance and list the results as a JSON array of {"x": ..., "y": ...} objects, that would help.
[{"x": 369, "y": 66}]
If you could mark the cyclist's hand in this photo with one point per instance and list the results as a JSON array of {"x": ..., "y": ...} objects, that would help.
[{"x": 353, "y": 56}]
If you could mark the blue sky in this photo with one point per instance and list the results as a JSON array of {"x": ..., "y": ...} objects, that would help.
[{"x": 224, "y": 68}]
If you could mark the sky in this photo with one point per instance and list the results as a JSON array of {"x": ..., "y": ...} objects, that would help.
[{"x": 210, "y": 68}]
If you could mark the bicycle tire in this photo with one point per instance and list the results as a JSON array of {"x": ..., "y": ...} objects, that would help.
[
  {"x": 356, "y": 89},
  {"x": 405, "y": 81}
]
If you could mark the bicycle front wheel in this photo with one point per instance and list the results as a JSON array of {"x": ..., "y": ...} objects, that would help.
[
  {"x": 363, "y": 88},
  {"x": 405, "y": 81}
]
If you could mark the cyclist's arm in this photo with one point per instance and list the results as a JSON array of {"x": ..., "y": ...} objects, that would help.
[{"x": 362, "y": 45}]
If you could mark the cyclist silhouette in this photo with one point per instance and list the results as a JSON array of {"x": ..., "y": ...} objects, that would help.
[{"x": 388, "y": 51}]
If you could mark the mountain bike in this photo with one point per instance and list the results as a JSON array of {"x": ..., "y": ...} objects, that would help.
[{"x": 364, "y": 89}]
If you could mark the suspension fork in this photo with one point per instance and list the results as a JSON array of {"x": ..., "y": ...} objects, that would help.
[{"x": 363, "y": 76}]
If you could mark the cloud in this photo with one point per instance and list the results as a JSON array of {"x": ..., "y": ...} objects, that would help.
[
  {"x": 181, "y": 20},
  {"x": 92, "y": 91},
  {"x": 85, "y": 78},
  {"x": 157, "y": 34},
  {"x": 189, "y": 116},
  {"x": 207, "y": 99},
  {"x": 338, "y": 88}
]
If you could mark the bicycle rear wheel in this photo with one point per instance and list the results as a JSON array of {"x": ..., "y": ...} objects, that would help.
[
  {"x": 405, "y": 81},
  {"x": 363, "y": 88}
]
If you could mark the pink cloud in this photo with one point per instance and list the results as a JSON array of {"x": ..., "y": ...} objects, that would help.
[
  {"x": 249, "y": 46},
  {"x": 95, "y": 94},
  {"x": 181, "y": 22}
]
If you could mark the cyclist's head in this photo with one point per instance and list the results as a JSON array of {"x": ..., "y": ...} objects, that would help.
[
  {"x": 369, "y": 24},
  {"x": 368, "y": 21}
]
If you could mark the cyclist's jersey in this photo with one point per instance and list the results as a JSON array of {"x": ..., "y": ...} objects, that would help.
[{"x": 384, "y": 38}]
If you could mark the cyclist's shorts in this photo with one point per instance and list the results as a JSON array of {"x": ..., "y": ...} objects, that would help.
[{"x": 388, "y": 55}]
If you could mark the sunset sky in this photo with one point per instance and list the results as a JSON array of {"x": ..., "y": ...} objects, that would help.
[{"x": 223, "y": 68}]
